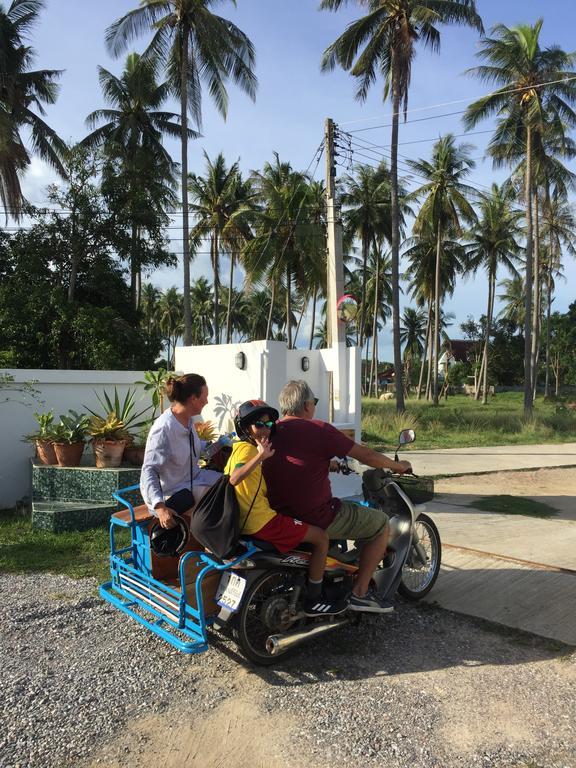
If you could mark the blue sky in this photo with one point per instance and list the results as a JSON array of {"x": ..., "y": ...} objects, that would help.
[{"x": 294, "y": 98}]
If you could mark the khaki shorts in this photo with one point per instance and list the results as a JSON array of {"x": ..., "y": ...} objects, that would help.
[{"x": 354, "y": 521}]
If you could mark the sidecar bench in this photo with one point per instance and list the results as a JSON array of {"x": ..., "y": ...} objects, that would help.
[{"x": 141, "y": 515}]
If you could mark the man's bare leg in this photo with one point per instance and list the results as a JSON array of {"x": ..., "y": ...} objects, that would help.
[{"x": 372, "y": 553}]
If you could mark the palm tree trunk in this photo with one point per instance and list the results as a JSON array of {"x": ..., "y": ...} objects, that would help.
[
  {"x": 133, "y": 264},
  {"x": 491, "y": 290},
  {"x": 528, "y": 300},
  {"x": 437, "y": 315},
  {"x": 216, "y": 268},
  {"x": 184, "y": 183},
  {"x": 229, "y": 308},
  {"x": 548, "y": 315},
  {"x": 365, "y": 249},
  {"x": 314, "y": 300},
  {"x": 375, "y": 323},
  {"x": 536, "y": 305},
  {"x": 426, "y": 348},
  {"x": 288, "y": 307},
  {"x": 395, "y": 240},
  {"x": 271, "y": 311},
  {"x": 302, "y": 313}
]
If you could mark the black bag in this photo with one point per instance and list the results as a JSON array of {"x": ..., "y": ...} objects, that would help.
[{"x": 215, "y": 521}]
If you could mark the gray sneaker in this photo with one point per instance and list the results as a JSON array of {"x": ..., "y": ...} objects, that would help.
[{"x": 370, "y": 603}]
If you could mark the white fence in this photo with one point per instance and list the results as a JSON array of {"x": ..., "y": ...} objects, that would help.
[{"x": 60, "y": 391}]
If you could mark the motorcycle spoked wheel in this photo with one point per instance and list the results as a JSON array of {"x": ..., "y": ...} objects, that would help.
[
  {"x": 418, "y": 578},
  {"x": 261, "y": 615}
]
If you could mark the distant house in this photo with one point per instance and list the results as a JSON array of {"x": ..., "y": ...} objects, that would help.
[{"x": 456, "y": 351}]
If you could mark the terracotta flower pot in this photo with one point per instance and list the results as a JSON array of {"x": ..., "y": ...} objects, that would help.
[
  {"x": 108, "y": 453},
  {"x": 134, "y": 455},
  {"x": 69, "y": 454},
  {"x": 45, "y": 452}
]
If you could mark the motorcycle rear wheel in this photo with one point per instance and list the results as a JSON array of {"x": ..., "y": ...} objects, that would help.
[
  {"x": 256, "y": 620},
  {"x": 419, "y": 578}
]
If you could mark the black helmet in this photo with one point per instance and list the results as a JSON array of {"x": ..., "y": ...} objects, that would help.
[
  {"x": 248, "y": 413},
  {"x": 169, "y": 542}
]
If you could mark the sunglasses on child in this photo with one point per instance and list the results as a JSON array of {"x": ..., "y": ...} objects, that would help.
[{"x": 261, "y": 424}]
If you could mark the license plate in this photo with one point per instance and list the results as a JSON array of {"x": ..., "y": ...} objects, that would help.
[{"x": 233, "y": 591}]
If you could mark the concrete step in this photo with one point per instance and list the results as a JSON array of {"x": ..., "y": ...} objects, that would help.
[{"x": 59, "y": 516}]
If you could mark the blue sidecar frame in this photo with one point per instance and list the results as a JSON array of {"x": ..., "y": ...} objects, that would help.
[{"x": 159, "y": 607}]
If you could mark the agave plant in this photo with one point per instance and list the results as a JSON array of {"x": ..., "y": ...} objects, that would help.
[
  {"x": 122, "y": 411},
  {"x": 110, "y": 428}
]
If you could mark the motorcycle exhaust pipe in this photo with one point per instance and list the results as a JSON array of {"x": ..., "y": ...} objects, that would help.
[{"x": 276, "y": 644}]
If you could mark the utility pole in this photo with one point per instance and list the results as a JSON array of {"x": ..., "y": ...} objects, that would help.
[{"x": 336, "y": 328}]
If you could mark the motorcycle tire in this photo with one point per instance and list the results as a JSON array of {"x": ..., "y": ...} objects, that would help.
[
  {"x": 416, "y": 580},
  {"x": 249, "y": 631}
]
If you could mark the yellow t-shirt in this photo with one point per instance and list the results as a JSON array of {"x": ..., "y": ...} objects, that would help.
[{"x": 261, "y": 512}]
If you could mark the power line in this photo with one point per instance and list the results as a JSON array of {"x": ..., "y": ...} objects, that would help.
[{"x": 456, "y": 101}]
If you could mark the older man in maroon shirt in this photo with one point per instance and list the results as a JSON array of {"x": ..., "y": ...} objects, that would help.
[{"x": 298, "y": 485}]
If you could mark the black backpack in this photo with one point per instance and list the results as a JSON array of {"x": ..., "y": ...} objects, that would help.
[{"x": 215, "y": 520}]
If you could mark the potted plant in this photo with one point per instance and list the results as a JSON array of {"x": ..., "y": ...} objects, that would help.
[
  {"x": 134, "y": 451},
  {"x": 109, "y": 438},
  {"x": 69, "y": 436},
  {"x": 110, "y": 431},
  {"x": 43, "y": 438}
]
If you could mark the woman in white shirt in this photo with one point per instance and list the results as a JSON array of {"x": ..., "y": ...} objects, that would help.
[{"x": 171, "y": 480}]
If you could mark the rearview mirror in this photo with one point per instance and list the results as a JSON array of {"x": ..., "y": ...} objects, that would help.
[{"x": 406, "y": 436}]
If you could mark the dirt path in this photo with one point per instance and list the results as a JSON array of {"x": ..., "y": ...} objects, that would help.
[{"x": 556, "y": 487}]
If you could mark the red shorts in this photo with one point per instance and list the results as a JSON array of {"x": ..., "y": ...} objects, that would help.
[{"x": 283, "y": 531}]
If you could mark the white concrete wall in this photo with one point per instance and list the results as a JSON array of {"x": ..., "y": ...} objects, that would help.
[
  {"x": 61, "y": 391},
  {"x": 269, "y": 365}
]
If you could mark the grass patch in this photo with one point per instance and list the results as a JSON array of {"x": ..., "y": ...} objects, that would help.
[
  {"x": 74, "y": 553},
  {"x": 462, "y": 422},
  {"x": 514, "y": 505}
]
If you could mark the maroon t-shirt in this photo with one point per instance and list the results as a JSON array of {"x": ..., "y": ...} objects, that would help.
[{"x": 297, "y": 475}]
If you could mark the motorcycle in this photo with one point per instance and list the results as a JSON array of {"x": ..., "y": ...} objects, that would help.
[
  {"x": 261, "y": 596},
  {"x": 257, "y": 596}
]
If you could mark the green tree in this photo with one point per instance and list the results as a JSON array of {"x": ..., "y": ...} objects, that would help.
[
  {"x": 365, "y": 198},
  {"x": 198, "y": 47},
  {"x": 139, "y": 174},
  {"x": 413, "y": 336},
  {"x": 170, "y": 321},
  {"x": 534, "y": 88},
  {"x": 383, "y": 42},
  {"x": 219, "y": 212},
  {"x": 444, "y": 205},
  {"x": 282, "y": 236},
  {"x": 494, "y": 244},
  {"x": 23, "y": 94}
]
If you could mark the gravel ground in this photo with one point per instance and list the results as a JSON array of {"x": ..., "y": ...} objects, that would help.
[{"x": 422, "y": 688}]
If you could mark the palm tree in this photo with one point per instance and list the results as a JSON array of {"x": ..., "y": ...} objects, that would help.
[
  {"x": 413, "y": 334},
  {"x": 558, "y": 231},
  {"x": 131, "y": 133},
  {"x": 444, "y": 205},
  {"x": 388, "y": 35},
  {"x": 365, "y": 199},
  {"x": 214, "y": 204},
  {"x": 534, "y": 89},
  {"x": 420, "y": 252},
  {"x": 170, "y": 321},
  {"x": 513, "y": 299},
  {"x": 149, "y": 306},
  {"x": 282, "y": 237},
  {"x": 198, "y": 47},
  {"x": 23, "y": 92},
  {"x": 493, "y": 244},
  {"x": 201, "y": 304}
]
